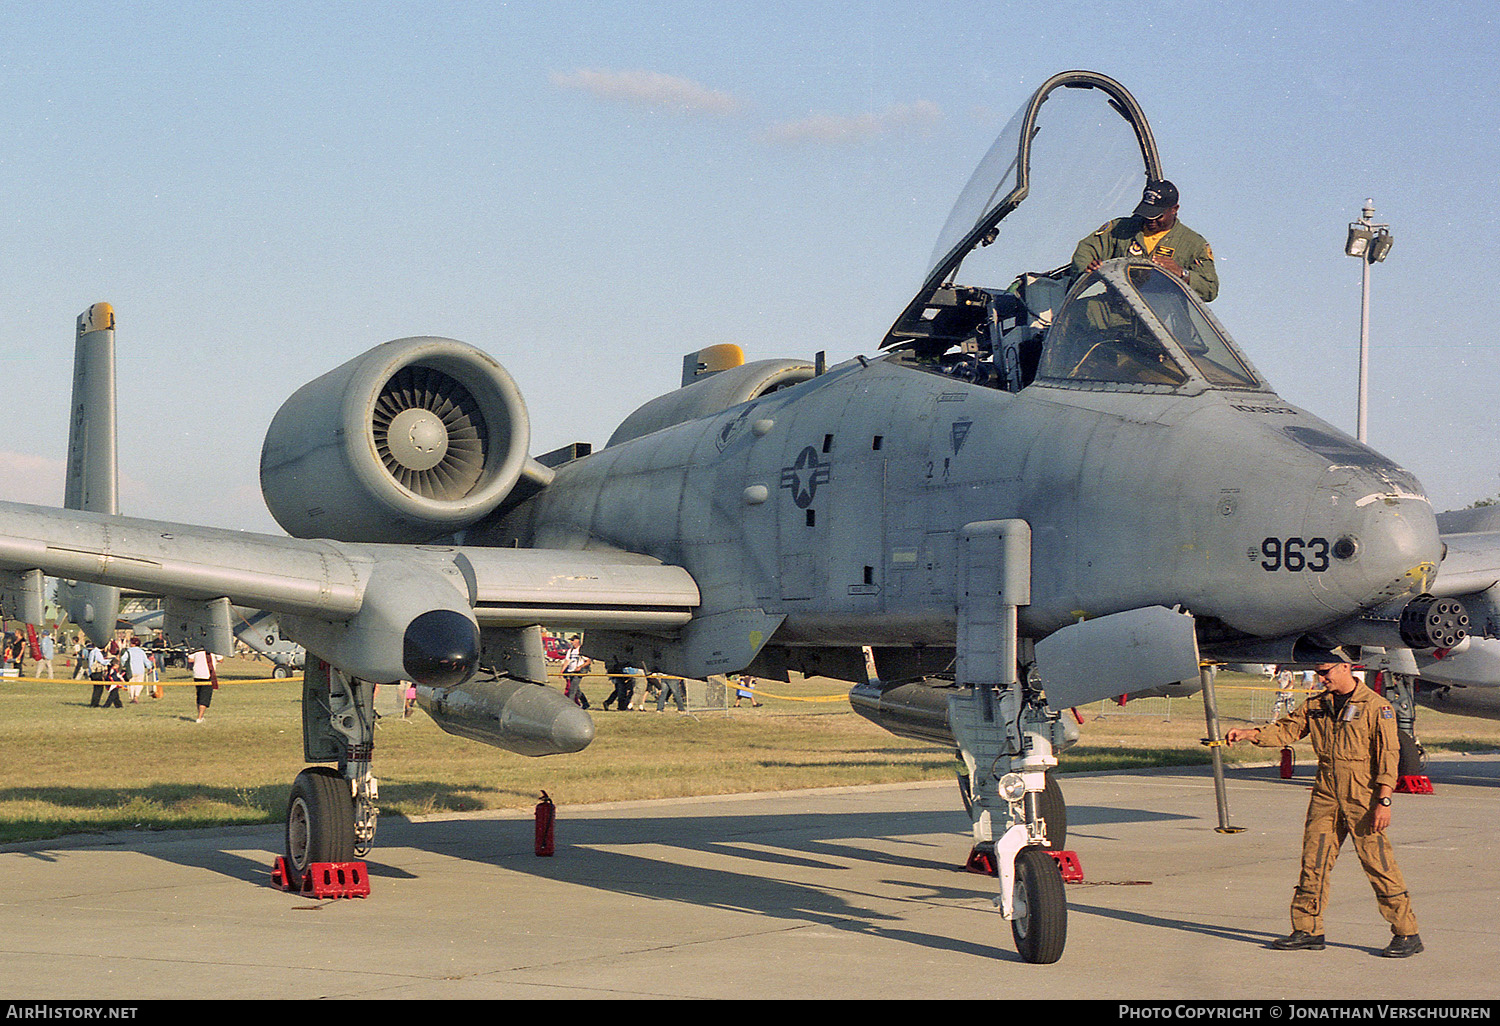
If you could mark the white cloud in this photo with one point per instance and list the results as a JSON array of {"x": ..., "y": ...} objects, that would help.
[
  {"x": 649, "y": 89},
  {"x": 38, "y": 480},
  {"x": 34, "y": 479},
  {"x": 831, "y": 129}
]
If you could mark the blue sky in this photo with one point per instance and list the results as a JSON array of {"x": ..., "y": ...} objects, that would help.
[{"x": 590, "y": 190}]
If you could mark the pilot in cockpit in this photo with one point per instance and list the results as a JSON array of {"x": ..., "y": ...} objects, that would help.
[{"x": 1153, "y": 231}]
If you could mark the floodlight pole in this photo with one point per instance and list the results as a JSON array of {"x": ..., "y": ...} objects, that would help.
[
  {"x": 1369, "y": 242},
  {"x": 1364, "y": 342}
]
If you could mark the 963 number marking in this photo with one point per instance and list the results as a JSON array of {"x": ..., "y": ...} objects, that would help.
[{"x": 1294, "y": 554}]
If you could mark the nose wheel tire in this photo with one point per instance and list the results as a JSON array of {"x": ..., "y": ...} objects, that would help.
[
  {"x": 1040, "y": 926},
  {"x": 319, "y": 821},
  {"x": 1054, "y": 812}
]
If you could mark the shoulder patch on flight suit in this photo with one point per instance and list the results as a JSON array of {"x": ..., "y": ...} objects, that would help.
[{"x": 1387, "y": 713}]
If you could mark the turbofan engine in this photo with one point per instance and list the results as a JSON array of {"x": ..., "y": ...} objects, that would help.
[{"x": 411, "y": 441}]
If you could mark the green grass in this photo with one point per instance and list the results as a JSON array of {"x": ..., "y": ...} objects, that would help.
[{"x": 66, "y": 768}]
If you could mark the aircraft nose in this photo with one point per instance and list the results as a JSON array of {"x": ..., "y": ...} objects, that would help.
[
  {"x": 440, "y": 648},
  {"x": 1380, "y": 546}
]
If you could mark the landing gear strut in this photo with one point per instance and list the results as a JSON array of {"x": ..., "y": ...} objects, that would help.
[
  {"x": 1008, "y": 775},
  {"x": 331, "y": 814},
  {"x": 1006, "y": 737}
]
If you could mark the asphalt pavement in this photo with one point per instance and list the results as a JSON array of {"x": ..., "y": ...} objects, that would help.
[{"x": 854, "y": 893}]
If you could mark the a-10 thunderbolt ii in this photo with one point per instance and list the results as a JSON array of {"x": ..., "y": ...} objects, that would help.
[{"x": 1039, "y": 492}]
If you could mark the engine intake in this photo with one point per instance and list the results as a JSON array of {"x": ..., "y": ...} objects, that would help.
[{"x": 413, "y": 440}]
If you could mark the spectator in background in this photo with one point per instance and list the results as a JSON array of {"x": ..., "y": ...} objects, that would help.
[
  {"x": 624, "y": 693},
  {"x": 204, "y": 679},
  {"x": 135, "y": 663},
  {"x": 744, "y": 688},
  {"x": 80, "y": 658},
  {"x": 49, "y": 649},
  {"x": 677, "y": 689},
  {"x": 95, "y": 666},
  {"x": 113, "y": 678},
  {"x": 574, "y": 664}
]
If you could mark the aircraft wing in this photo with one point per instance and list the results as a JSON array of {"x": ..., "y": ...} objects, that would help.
[
  {"x": 350, "y": 603},
  {"x": 1471, "y": 565},
  {"x": 1470, "y": 571}
]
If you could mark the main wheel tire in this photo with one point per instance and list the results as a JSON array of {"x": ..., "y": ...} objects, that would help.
[
  {"x": 1040, "y": 926},
  {"x": 280, "y": 672},
  {"x": 1413, "y": 759},
  {"x": 319, "y": 821},
  {"x": 1055, "y": 814}
]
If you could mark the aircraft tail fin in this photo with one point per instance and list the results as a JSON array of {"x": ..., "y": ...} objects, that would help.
[{"x": 93, "y": 481}]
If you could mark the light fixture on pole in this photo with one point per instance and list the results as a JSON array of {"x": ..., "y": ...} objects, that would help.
[{"x": 1370, "y": 242}]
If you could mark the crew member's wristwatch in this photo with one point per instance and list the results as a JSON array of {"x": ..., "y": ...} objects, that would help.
[{"x": 1383, "y": 801}]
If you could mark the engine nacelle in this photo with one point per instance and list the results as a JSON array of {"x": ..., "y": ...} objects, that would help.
[{"x": 414, "y": 440}]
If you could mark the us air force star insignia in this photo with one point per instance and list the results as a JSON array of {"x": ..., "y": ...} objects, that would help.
[{"x": 804, "y": 476}]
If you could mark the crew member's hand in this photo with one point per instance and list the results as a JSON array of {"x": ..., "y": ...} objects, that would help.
[
  {"x": 1381, "y": 818},
  {"x": 1238, "y": 734},
  {"x": 1165, "y": 261}
]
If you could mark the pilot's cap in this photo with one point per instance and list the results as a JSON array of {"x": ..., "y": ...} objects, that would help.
[
  {"x": 1338, "y": 654},
  {"x": 1158, "y": 198}
]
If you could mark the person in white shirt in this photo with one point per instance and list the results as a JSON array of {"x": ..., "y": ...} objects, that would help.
[
  {"x": 135, "y": 668},
  {"x": 203, "y": 664}
]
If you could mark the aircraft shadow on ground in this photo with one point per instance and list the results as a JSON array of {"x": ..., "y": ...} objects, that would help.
[
  {"x": 596, "y": 852},
  {"x": 645, "y": 857}
]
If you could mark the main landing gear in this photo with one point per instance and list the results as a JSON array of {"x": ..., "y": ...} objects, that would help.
[{"x": 331, "y": 814}]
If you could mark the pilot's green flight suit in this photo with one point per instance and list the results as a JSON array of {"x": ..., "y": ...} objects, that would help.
[
  {"x": 1122, "y": 237},
  {"x": 1357, "y": 752}
]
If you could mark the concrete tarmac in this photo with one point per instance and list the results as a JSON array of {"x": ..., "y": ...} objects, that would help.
[{"x": 821, "y": 894}]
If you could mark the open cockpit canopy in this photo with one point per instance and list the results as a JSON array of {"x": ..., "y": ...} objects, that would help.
[
  {"x": 1076, "y": 164},
  {"x": 1077, "y": 154}
]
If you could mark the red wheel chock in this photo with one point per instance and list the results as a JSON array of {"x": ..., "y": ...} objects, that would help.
[
  {"x": 1414, "y": 785},
  {"x": 326, "y": 879},
  {"x": 982, "y": 860},
  {"x": 1067, "y": 861}
]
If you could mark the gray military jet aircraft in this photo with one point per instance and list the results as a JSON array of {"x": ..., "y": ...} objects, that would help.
[{"x": 1033, "y": 497}]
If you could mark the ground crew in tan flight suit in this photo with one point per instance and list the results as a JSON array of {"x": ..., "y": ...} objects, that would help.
[
  {"x": 1153, "y": 232},
  {"x": 1353, "y": 733}
]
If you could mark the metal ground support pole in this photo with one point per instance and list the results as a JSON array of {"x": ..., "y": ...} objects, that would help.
[{"x": 1206, "y": 674}]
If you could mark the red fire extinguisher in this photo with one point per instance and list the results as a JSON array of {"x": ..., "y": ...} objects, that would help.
[
  {"x": 546, "y": 818},
  {"x": 1286, "y": 764}
]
